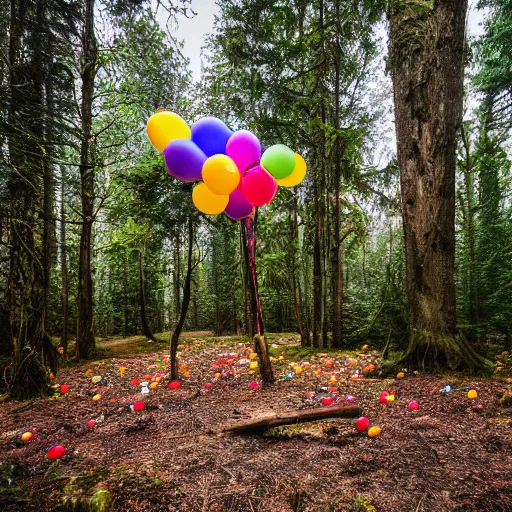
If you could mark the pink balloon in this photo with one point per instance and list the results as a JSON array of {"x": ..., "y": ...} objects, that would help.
[
  {"x": 238, "y": 206},
  {"x": 244, "y": 149},
  {"x": 258, "y": 186}
]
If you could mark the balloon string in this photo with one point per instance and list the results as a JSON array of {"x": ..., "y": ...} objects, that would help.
[{"x": 249, "y": 223}]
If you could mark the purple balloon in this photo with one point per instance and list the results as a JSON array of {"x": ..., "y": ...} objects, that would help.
[
  {"x": 184, "y": 160},
  {"x": 244, "y": 149},
  {"x": 211, "y": 135},
  {"x": 238, "y": 206}
]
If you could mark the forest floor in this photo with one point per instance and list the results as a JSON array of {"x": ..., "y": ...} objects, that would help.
[{"x": 453, "y": 454}]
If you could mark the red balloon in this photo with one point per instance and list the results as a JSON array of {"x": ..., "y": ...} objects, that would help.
[
  {"x": 258, "y": 186},
  {"x": 56, "y": 452},
  {"x": 138, "y": 406},
  {"x": 383, "y": 396},
  {"x": 327, "y": 400},
  {"x": 64, "y": 388},
  {"x": 175, "y": 384},
  {"x": 91, "y": 423},
  {"x": 362, "y": 423}
]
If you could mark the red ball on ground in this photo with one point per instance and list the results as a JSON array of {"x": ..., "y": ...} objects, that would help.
[
  {"x": 175, "y": 384},
  {"x": 56, "y": 452},
  {"x": 91, "y": 423},
  {"x": 64, "y": 388},
  {"x": 327, "y": 400},
  {"x": 362, "y": 423},
  {"x": 138, "y": 406},
  {"x": 413, "y": 405},
  {"x": 383, "y": 397}
]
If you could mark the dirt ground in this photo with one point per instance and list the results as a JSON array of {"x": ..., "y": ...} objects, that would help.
[{"x": 453, "y": 454}]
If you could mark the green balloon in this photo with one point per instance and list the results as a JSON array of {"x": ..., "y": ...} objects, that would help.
[{"x": 279, "y": 161}]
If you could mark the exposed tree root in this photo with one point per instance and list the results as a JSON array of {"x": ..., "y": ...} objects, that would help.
[{"x": 428, "y": 351}]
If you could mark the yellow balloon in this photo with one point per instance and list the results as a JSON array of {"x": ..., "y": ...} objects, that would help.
[
  {"x": 208, "y": 202},
  {"x": 163, "y": 127},
  {"x": 220, "y": 174},
  {"x": 297, "y": 174}
]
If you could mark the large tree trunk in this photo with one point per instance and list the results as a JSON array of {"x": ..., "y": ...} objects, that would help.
[
  {"x": 85, "y": 344},
  {"x": 25, "y": 290},
  {"x": 142, "y": 302},
  {"x": 248, "y": 227},
  {"x": 426, "y": 58},
  {"x": 175, "y": 334}
]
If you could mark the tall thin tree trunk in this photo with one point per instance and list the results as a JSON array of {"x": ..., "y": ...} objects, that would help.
[
  {"x": 297, "y": 295},
  {"x": 470, "y": 233},
  {"x": 64, "y": 294},
  {"x": 175, "y": 334},
  {"x": 142, "y": 301},
  {"x": 336, "y": 254},
  {"x": 85, "y": 344},
  {"x": 426, "y": 57}
]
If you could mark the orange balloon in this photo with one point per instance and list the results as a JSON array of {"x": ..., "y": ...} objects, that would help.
[{"x": 208, "y": 202}]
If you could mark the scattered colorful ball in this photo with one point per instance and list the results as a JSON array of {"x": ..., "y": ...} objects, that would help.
[
  {"x": 56, "y": 452},
  {"x": 374, "y": 431},
  {"x": 362, "y": 423},
  {"x": 413, "y": 405},
  {"x": 383, "y": 399},
  {"x": 139, "y": 406}
]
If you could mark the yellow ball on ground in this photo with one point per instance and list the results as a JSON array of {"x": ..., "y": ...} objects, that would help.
[
  {"x": 400, "y": 375},
  {"x": 253, "y": 356},
  {"x": 472, "y": 394},
  {"x": 96, "y": 397},
  {"x": 374, "y": 431}
]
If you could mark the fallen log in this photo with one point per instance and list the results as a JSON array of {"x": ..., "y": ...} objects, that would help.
[{"x": 277, "y": 419}]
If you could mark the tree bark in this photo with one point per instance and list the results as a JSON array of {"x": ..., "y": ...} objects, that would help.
[
  {"x": 276, "y": 419},
  {"x": 25, "y": 287},
  {"x": 426, "y": 57},
  {"x": 142, "y": 301},
  {"x": 175, "y": 334},
  {"x": 85, "y": 343}
]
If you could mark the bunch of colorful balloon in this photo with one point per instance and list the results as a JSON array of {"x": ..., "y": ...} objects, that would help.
[{"x": 235, "y": 176}]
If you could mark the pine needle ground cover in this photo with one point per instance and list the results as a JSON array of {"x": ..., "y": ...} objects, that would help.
[{"x": 452, "y": 453}]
